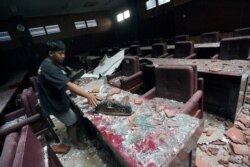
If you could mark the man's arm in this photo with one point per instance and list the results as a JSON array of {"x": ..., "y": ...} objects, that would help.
[{"x": 79, "y": 91}]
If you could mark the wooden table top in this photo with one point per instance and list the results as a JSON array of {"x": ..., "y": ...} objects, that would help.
[
  {"x": 227, "y": 67},
  {"x": 150, "y": 138}
]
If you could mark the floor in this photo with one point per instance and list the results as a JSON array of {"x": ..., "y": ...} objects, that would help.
[
  {"x": 78, "y": 158},
  {"x": 216, "y": 146}
]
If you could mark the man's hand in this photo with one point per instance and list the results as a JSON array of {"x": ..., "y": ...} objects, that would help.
[
  {"x": 79, "y": 91},
  {"x": 92, "y": 100}
]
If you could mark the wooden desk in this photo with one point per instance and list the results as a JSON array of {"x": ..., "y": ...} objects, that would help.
[
  {"x": 207, "y": 45},
  {"x": 225, "y": 82},
  {"x": 6, "y": 96},
  {"x": 152, "y": 139},
  {"x": 197, "y": 45},
  {"x": 8, "y": 90},
  {"x": 204, "y": 50},
  {"x": 207, "y": 50},
  {"x": 14, "y": 80}
]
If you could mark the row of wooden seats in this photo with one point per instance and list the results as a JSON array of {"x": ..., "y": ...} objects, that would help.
[
  {"x": 230, "y": 48},
  {"x": 211, "y": 36},
  {"x": 177, "y": 82},
  {"x": 29, "y": 114},
  {"x": 207, "y": 37},
  {"x": 180, "y": 83},
  {"x": 25, "y": 150}
]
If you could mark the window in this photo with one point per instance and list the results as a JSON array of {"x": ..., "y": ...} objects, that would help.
[
  {"x": 119, "y": 17},
  {"x": 126, "y": 14},
  {"x": 51, "y": 29},
  {"x": 37, "y": 31},
  {"x": 150, "y": 4},
  {"x": 80, "y": 25},
  {"x": 5, "y": 36},
  {"x": 91, "y": 23},
  {"x": 160, "y": 2},
  {"x": 122, "y": 16}
]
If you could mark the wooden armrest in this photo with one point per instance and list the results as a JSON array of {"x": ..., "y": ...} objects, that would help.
[
  {"x": 192, "y": 56},
  {"x": 132, "y": 77},
  {"x": 30, "y": 120},
  {"x": 149, "y": 94},
  {"x": 200, "y": 84},
  {"x": 14, "y": 114},
  {"x": 193, "y": 103},
  {"x": 170, "y": 56},
  {"x": 164, "y": 55},
  {"x": 132, "y": 83},
  {"x": 147, "y": 56},
  {"x": 114, "y": 75},
  {"x": 215, "y": 56}
]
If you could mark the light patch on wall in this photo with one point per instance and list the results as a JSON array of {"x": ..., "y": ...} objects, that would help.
[
  {"x": 150, "y": 4},
  {"x": 51, "y": 29},
  {"x": 122, "y": 16},
  {"x": 5, "y": 36},
  {"x": 119, "y": 17},
  {"x": 80, "y": 25},
  {"x": 91, "y": 23},
  {"x": 37, "y": 31},
  {"x": 160, "y": 2},
  {"x": 126, "y": 14}
]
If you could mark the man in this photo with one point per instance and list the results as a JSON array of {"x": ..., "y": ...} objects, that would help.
[{"x": 52, "y": 86}]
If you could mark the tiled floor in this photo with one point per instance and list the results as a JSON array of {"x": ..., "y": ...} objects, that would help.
[{"x": 214, "y": 148}]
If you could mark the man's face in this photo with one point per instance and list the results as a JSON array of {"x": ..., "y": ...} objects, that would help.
[{"x": 57, "y": 56}]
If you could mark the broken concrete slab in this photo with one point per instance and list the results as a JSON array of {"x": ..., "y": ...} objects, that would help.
[{"x": 236, "y": 135}]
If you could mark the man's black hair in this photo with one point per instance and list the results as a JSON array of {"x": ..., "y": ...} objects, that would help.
[{"x": 55, "y": 45}]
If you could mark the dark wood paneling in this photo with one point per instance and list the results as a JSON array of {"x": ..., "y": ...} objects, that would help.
[
  {"x": 159, "y": 10},
  {"x": 158, "y": 26},
  {"x": 14, "y": 55},
  {"x": 65, "y": 22},
  {"x": 194, "y": 17},
  {"x": 212, "y": 15}
]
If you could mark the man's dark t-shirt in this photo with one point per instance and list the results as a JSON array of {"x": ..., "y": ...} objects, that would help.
[{"x": 52, "y": 88}]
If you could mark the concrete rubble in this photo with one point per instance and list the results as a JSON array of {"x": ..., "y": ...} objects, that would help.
[{"x": 222, "y": 143}]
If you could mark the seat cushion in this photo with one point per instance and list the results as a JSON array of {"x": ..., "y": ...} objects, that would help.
[
  {"x": 134, "y": 50},
  {"x": 183, "y": 49},
  {"x": 235, "y": 48},
  {"x": 174, "y": 82},
  {"x": 29, "y": 152},
  {"x": 9, "y": 149},
  {"x": 158, "y": 49},
  {"x": 13, "y": 122},
  {"x": 242, "y": 32},
  {"x": 210, "y": 37},
  {"x": 181, "y": 38},
  {"x": 130, "y": 65}
]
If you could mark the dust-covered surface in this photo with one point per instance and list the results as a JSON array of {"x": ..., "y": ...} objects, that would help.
[
  {"x": 94, "y": 155},
  {"x": 149, "y": 136},
  {"x": 229, "y": 67},
  {"x": 214, "y": 148}
]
